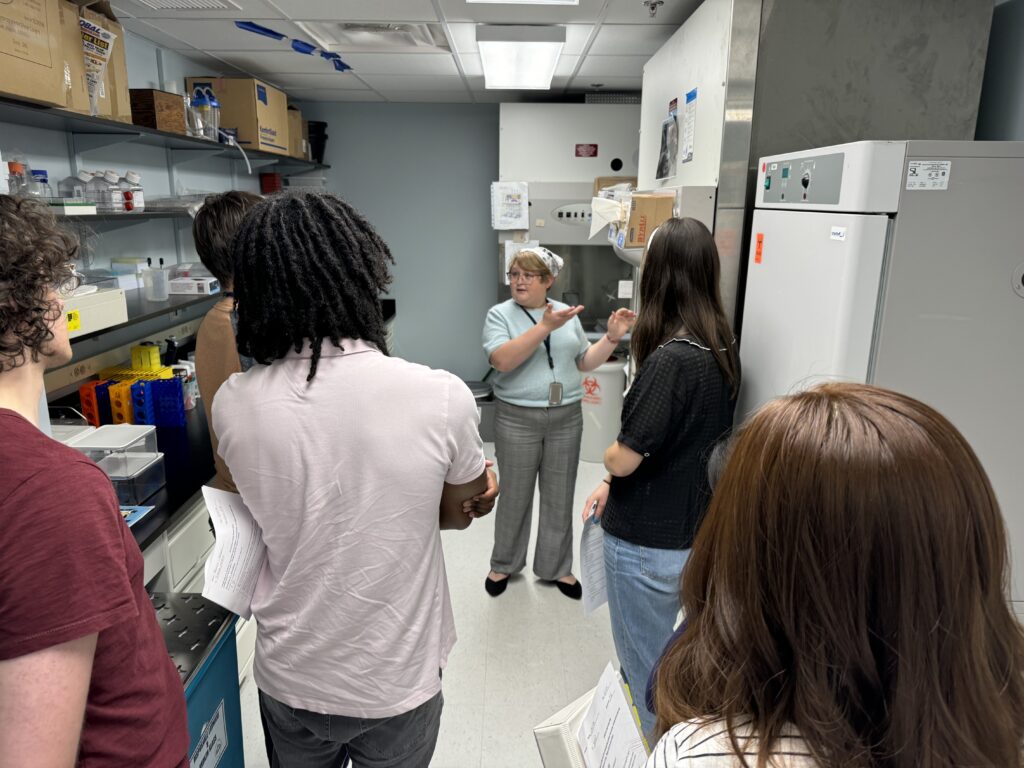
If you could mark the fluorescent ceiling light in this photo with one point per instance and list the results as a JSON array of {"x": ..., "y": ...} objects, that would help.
[
  {"x": 527, "y": 2},
  {"x": 519, "y": 58}
]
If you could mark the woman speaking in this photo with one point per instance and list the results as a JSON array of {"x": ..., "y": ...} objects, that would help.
[{"x": 538, "y": 348}]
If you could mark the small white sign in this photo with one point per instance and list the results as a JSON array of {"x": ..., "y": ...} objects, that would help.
[
  {"x": 838, "y": 233},
  {"x": 213, "y": 742},
  {"x": 625, "y": 289},
  {"x": 928, "y": 174}
]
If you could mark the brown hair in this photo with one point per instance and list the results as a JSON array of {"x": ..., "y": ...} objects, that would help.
[
  {"x": 531, "y": 262},
  {"x": 679, "y": 293},
  {"x": 850, "y": 580},
  {"x": 214, "y": 227},
  {"x": 34, "y": 257}
]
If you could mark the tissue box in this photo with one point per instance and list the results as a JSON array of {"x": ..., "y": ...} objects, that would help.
[{"x": 195, "y": 286}]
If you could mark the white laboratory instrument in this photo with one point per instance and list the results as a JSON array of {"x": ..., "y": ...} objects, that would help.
[{"x": 898, "y": 264}]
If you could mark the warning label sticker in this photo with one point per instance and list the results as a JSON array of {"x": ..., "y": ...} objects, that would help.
[{"x": 928, "y": 174}]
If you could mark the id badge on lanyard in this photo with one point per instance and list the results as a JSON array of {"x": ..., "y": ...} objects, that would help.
[
  {"x": 555, "y": 393},
  {"x": 555, "y": 388}
]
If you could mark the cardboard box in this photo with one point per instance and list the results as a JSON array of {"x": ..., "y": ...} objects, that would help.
[
  {"x": 195, "y": 286},
  {"x": 115, "y": 100},
  {"x": 257, "y": 110},
  {"x": 308, "y": 154},
  {"x": 158, "y": 109},
  {"x": 296, "y": 144},
  {"x": 31, "y": 64},
  {"x": 610, "y": 181},
  {"x": 646, "y": 212},
  {"x": 76, "y": 89}
]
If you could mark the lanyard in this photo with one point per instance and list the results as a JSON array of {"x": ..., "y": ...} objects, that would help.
[{"x": 547, "y": 339}]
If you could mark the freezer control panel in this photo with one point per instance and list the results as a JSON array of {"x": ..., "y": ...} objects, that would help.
[{"x": 815, "y": 180}]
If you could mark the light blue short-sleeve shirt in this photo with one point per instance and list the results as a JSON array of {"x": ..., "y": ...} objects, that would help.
[{"x": 528, "y": 385}]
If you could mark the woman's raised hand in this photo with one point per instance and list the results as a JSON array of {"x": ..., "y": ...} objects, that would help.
[
  {"x": 555, "y": 318},
  {"x": 620, "y": 322}
]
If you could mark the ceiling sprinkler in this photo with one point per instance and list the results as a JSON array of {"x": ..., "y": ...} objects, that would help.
[{"x": 652, "y": 6}]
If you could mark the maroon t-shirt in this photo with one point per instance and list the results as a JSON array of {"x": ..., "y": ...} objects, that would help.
[{"x": 69, "y": 568}]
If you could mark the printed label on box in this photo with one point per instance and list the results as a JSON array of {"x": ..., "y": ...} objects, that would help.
[
  {"x": 261, "y": 94},
  {"x": 838, "y": 233},
  {"x": 213, "y": 743},
  {"x": 74, "y": 320}
]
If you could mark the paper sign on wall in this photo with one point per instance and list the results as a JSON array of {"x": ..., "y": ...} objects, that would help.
[
  {"x": 510, "y": 205},
  {"x": 689, "y": 126},
  {"x": 625, "y": 289}
]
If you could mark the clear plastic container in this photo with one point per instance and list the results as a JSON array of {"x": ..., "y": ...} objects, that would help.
[
  {"x": 104, "y": 191},
  {"x": 118, "y": 438},
  {"x": 131, "y": 189},
  {"x": 207, "y": 111},
  {"x": 40, "y": 185},
  {"x": 75, "y": 186},
  {"x": 156, "y": 283},
  {"x": 135, "y": 476},
  {"x": 16, "y": 177}
]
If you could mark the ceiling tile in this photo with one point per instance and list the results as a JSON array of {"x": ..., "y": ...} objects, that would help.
[
  {"x": 587, "y": 12},
  {"x": 566, "y": 65},
  {"x": 463, "y": 37},
  {"x": 223, "y": 35},
  {"x": 401, "y": 63},
  {"x": 326, "y": 94},
  {"x": 279, "y": 62},
  {"x": 408, "y": 83},
  {"x": 631, "y": 39},
  {"x": 333, "y": 81},
  {"x": 250, "y": 9},
  {"x": 582, "y": 83},
  {"x": 672, "y": 13},
  {"x": 358, "y": 10},
  {"x": 613, "y": 66},
  {"x": 436, "y": 97},
  {"x": 151, "y": 33},
  {"x": 472, "y": 65}
]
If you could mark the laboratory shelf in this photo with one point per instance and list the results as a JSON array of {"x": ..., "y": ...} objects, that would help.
[
  {"x": 94, "y": 132},
  {"x": 140, "y": 310},
  {"x": 127, "y": 218}
]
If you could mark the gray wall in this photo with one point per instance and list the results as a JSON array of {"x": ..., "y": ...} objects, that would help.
[
  {"x": 1002, "y": 96},
  {"x": 421, "y": 174}
]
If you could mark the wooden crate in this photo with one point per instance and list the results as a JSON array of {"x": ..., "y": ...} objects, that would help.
[{"x": 158, "y": 109}]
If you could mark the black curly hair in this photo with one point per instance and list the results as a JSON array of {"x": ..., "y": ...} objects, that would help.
[
  {"x": 34, "y": 257},
  {"x": 308, "y": 267}
]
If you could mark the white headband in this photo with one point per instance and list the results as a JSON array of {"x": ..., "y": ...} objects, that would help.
[{"x": 553, "y": 261}]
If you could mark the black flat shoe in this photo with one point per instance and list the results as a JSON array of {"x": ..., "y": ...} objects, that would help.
[
  {"x": 495, "y": 588},
  {"x": 572, "y": 591}
]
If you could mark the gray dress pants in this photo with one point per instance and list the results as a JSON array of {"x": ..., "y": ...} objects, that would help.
[{"x": 533, "y": 443}]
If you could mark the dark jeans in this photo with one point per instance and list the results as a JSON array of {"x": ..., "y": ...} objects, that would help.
[{"x": 304, "y": 739}]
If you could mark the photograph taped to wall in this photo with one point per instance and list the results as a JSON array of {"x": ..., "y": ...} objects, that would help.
[
  {"x": 510, "y": 205},
  {"x": 669, "y": 149}
]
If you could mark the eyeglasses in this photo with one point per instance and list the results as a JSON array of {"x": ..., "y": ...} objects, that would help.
[
  {"x": 527, "y": 277},
  {"x": 67, "y": 285}
]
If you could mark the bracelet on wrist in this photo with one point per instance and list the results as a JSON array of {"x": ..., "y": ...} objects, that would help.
[
  {"x": 613, "y": 341},
  {"x": 606, "y": 480}
]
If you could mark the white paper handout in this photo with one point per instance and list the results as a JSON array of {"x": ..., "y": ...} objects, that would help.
[
  {"x": 595, "y": 591},
  {"x": 510, "y": 205},
  {"x": 238, "y": 555},
  {"x": 609, "y": 736}
]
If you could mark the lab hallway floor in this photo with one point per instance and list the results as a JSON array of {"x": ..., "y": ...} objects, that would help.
[{"x": 519, "y": 658}]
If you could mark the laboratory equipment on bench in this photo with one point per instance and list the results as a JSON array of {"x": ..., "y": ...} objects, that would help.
[
  {"x": 897, "y": 264},
  {"x": 128, "y": 454}
]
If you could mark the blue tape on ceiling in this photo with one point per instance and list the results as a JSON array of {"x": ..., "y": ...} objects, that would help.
[
  {"x": 251, "y": 26},
  {"x": 299, "y": 46}
]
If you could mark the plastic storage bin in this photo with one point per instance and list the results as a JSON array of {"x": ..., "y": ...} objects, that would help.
[
  {"x": 136, "y": 476},
  {"x": 118, "y": 438}
]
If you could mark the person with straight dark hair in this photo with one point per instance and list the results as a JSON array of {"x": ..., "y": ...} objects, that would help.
[
  {"x": 351, "y": 462},
  {"x": 216, "y": 352},
  {"x": 679, "y": 405},
  {"x": 846, "y": 599}
]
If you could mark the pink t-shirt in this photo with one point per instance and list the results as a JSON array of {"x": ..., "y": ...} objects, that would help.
[{"x": 344, "y": 476}]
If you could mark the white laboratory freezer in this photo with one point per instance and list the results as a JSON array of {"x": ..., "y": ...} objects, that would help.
[{"x": 899, "y": 264}]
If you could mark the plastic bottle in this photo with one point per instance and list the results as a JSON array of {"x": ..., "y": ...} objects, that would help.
[
  {"x": 103, "y": 189},
  {"x": 207, "y": 110},
  {"x": 131, "y": 188},
  {"x": 74, "y": 186},
  {"x": 40, "y": 186},
  {"x": 16, "y": 181}
]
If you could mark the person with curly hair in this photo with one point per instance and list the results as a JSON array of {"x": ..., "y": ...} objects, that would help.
[
  {"x": 351, "y": 462},
  {"x": 846, "y": 599},
  {"x": 84, "y": 673}
]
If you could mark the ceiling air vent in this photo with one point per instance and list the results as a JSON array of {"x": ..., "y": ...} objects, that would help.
[
  {"x": 376, "y": 38},
  {"x": 190, "y": 5}
]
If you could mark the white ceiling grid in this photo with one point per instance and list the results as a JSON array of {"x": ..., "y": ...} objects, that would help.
[{"x": 607, "y": 44}]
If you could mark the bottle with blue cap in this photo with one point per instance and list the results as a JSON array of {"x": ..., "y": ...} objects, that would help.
[{"x": 207, "y": 109}]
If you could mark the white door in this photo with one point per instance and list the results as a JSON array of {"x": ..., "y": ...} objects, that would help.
[{"x": 810, "y": 303}]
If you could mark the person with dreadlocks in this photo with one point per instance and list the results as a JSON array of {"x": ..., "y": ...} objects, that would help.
[{"x": 351, "y": 462}]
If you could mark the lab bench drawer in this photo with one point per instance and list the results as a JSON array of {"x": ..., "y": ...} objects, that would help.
[
  {"x": 188, "y": 544},
  {"x": 245, "y": 634}
]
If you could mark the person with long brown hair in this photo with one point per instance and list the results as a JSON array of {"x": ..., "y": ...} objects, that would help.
[
  {"x": 679, "y": 405},
  {"x": 846, "y": 598}
]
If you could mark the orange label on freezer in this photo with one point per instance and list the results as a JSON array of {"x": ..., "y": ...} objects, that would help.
[{"x": 759, "y": 248}]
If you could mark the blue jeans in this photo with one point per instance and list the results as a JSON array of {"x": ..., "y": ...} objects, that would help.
[{"x": 643, "y": 599}]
